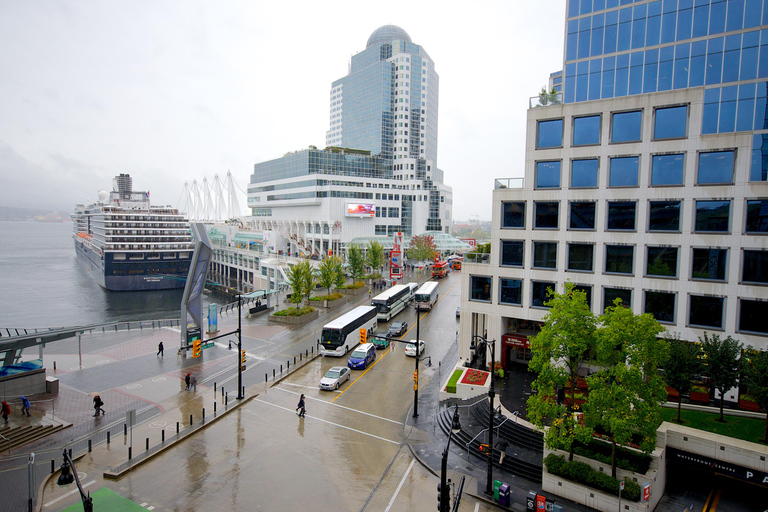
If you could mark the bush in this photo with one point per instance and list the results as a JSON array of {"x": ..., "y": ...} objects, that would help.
[
  {"x": 294, "y": 311},
  {"x": 332, "y": 296},
  {"x": 451, "y": 386},
  {"x": 353, "y": 286},
  {"x": 583, "y": 473},
  {"x": 625, "y": 459},
  {"x": 377, "y": 275}
]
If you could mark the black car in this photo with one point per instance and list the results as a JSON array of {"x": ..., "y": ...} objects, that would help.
[{"x": 397, "y": 328}]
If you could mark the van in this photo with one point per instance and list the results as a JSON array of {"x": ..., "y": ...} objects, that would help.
[{"x": 362, "y": 356}]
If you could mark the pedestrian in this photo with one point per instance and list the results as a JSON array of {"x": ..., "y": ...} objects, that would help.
[
  {"x": 193, "y": 382},
  {"x": 160, "y": 349},
  {"x": 97, "y": 403},
  {"x": 6, "y": 409},
  {"x": 186, "y": 380},
  {"x": 502, "y": 445},
  {"x": 392, "y": 345},
  {"x": 300, "y": 409},
  {"x": 25, "y": 405}
]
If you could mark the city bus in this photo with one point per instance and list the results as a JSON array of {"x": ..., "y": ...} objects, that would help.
[
  {"x": 440, "y": 269},
  {"x": 343, "y": 333},
  {"x": 426, "y": 296},
  {"x": 392, "y": 301}
]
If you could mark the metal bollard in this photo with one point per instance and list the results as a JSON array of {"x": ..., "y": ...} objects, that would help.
[
  {"x": 177, "y": 427},
  {"x": 129, "y": 452},
  {"x": 214, "y": 388},
  {"x": 243, "y": 393},
  {"x": 70, "y": 453},
  {"x": 214, "y": 407},
  {"x": 306, "y": 353},
  {"x": 273, "y": 373},
  {"x": 90, "y": 446},
  {"x": 226, "y": 400},
  {"x": 203, "y": 412},
  {"x": 162, "y": 436},
  {"x": 288, "y": 364},
  {"x": 147, "y": 445},
  {"x": 313, "y": 350},
  {"x": 108, "y": 436},
  {"x": 54, "y": 366},
  {"x": 294, "y": 361},
  {"x": 222, "y": 391},
  {"x": 190, "y": 420},
  {"x": 125, "y": 429},
  {"x": 281, "y": 368},
  {"x": 266, "y": 377}
]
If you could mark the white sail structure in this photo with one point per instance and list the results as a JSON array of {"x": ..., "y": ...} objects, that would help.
[{"x": 212, "y": 201}]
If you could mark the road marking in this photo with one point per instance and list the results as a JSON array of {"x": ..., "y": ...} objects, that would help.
[
  {"x": 336, "y": 405},
  {"x": 174, "y": 329},
  {"x": 70, "y": 493},
  {"x": 361, "y": 375},
  {"x": 402, "y": 481},
  {"x": 477, "y": 506},
  {"x": 329, "y": 422}
]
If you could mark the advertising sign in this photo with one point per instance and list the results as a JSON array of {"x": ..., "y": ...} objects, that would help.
[
  {"x": 646, "y": 488},
  {"x": 471, "y": 241},
  {"x": 396, "y": 257},
  {"x": 361, "y": 210},
  {"x": 541, "y": 502}
]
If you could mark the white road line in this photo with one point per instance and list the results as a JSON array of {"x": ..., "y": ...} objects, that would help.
[
  {"x": 70, "y": 493},
  {"x": 174, "y": 329},
  {"x": 402, "y": 481},
  {"x": 477, "y": 506},
  {"x": 341, "y": 406},
  {"x": 329, "y": 422}
]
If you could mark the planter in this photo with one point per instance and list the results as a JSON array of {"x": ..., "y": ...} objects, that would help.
[
  {"x": 672, "y": 395},
  {"x": 699, "y": 396},
  {"x": 352, "y": 292},
  {"x": 464, "y": 391},
  {"x": 295, "y": 320},
  {"x": 748, "y": 405}
]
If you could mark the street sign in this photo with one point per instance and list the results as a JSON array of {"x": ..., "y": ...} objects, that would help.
[{"x": 206, "y": 345}]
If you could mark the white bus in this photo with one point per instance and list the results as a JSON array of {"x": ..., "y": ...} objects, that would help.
[
  {"x": 392, "y": 301},
  {"x": 426, "y": 296},
  {"x": 343, "y": 333}
]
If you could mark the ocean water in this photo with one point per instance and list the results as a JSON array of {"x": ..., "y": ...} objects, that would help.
[{"x": 42, "y": 283}]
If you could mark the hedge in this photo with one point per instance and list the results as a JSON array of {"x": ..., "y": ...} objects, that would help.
[
  {"x": 625, "y": 459},
  {"x": 583, "y": 473},
  {"x": 353, "y": 286},
  {"x": 332, "y": 296},
  {"x": 451, "y": 387},
  {"x": 294, "y": 311}
]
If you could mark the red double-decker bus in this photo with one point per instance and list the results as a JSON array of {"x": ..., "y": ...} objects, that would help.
[{"x": 440, "y": 269}]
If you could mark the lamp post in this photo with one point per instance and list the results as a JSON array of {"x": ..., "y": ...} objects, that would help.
[
  {"x": 491, "y": 394},
  {"x": 68, "y": 475},
  {"x": 443, "y": 497},
  {"x": 416, "y": 371},
  {"x": 239, "y": 349}
]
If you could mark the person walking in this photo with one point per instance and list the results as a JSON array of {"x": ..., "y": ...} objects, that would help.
[
  {"x": 392, "y": 345},
  {"x": 187, "y": 378},
  {"x": 160, "y": 349},
  {"x": 502, "y": 445},
  {"x": 97, "y": 403},
  {"x": 193, "y": 382},
  {"x": 300, "y": 409},
  {"x": 6, "y": 410},
  {"x": 25, "y": 405}
]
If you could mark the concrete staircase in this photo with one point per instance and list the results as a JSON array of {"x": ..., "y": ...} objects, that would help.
[{"x": 24, "y": 434}]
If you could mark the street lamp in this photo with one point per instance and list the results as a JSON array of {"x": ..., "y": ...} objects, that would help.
[
  {"x": 69, "y": 474},
  {"x": 239, "y": 348},
  {"x": 482, "y": 342},
  {"x": 443, "y": 497}
]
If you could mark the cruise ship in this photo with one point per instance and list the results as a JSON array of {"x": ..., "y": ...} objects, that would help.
[{"x": 130, "y": 245}]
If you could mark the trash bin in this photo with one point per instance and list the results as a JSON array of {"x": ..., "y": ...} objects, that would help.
[
  {"x": 496, "y": 486},
  {"x": 530, "y": 502},
  {"x": 504, "y": 495},
  {"x": 52, "y": 385}
]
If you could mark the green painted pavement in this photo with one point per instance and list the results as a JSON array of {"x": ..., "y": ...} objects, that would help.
[{"x": 105, "y": 499}]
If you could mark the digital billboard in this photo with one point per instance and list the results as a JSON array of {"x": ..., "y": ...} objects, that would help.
[{"x": 361, "y": 210}]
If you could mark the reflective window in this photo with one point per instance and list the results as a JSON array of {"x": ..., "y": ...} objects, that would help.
[
  {"x": 757, "y": 216},
  {"x": 752, "y": 315},
  {"x": 759, "y": 165},
  {"x": 664, "y": 216},
  {"x": 706, "y": 311},
  {"x": 586, "y": 130},
  {"x": 619, "y": 259},
  {"x": 611, "y": 294},
  {"x": 548, "y": 174},
  {"x": 539, "y": 293},
  {"x": 580, "y": 256},
  {"x": 755, "y": 268},
  {"x": 512, "y": 215},
  {"x": 480, "y": 288},
  {"x": 623, "y": 172},
  {"x": 661, "y": 305},
  {"x": 670, "y": 123},
  {"x": 512, "y": 253},
  {"x": 712, "y": 215},
  {"x": 667, "y": 170},
  {"x": 587, "y": 290},
  {"x": 662, "y": 261},
  {"x": 511, "y": 291},
  {"x": 626, "y": 126},
  {"x": 621, "y": 216},
  {"x": 544, "y": 254},
  {"x": 715, "y": 167},
  {"x": 709, "y": 264},
  {"x": 584, "y": 173},
  {"x": 546, "y": 215},
  {"x": 582, "y": 216},
  {"x": 550, "y": 134}
]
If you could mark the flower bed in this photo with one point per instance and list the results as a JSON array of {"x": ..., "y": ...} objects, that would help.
[
  {"x": 583, "y": 473},
  {"x": 476, "y": 377},
  {"x": 451, "y": 386}
]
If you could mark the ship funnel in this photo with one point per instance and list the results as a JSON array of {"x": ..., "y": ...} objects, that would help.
[{"x": 124, "y": 185}]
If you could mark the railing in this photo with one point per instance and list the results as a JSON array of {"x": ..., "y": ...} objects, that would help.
[
  {"x": 516, "y": 183},
  {"x": 480, "y": 258},
  {"x": 117, "y": 326},
  {"x": 545, "y": 100}
]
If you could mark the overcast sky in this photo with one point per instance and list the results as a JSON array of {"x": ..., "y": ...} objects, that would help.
[{"x": 173, "y": 91}]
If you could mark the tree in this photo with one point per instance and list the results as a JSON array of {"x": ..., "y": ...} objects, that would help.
[
  {"x": 626, "y": 393},
  {"x": 756, "y": 373},
  {"x": 722, "y": 363},
  {"x": 339, "y": 278},
  {"x": 328, "y": 271},
  {"x": 296, "y": 282},
  {"x": 308, "y": 276},
  {"x": 356, "y": 261},
  {"x": 375, "y": 255},
  {"x": 421, "y": 247},
  {"x": 683, "y": 365},
  {"x": 560, "y": 351}
]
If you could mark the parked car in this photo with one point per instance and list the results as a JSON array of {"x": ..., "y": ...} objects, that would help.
[
  {"x": 397, "y": 328},
  {"x": 334, "y": 377},
  {"x": 363, "y": 355},
  {"x": 410, "y": 348},
  {"x": 458, "y": 312}
]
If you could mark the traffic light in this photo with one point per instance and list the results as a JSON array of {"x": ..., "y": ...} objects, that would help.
[
  {"x": 443, "y": 496},
  {"x": 197, "y": 350},
  {"x": 363, "y": 335},
  {"x": 242, "y": 356},
  {"x": 416, "y": 377}
]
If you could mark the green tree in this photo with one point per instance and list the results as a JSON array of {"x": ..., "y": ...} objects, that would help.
[
  {"x": 683, "y": 365},
  {"x": 560, "y": 351},
  {"x": 327, "y": 272},
  {"x": 722, "y": 363},
  {"x": 626, "y": 393},
  {"x": 756, "y": 373},
  {"x": 421, "y": 247},
  {"x": 356, "y": 261},
  {"x": 296, "y": 282},
  {"x": 375, "y": 255},
  {"x": 339, "y": 278},
  {"x": 309, "y": 277}
]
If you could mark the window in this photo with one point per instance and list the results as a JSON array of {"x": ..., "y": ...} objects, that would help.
[
  {"x": 621, "y": 216},
  {"x": 511, "y": 291},
  {"x": 611, "y": 294},
  {"x": 539, "y": 293},
  {"x": 580, "y": 257},
  {"x": 586, "y": 130},
  {"x": 712, "y": 215},
  {"x": 664, "y": 216},
  {"x": 546, "y": 215},
  {"x": 755, "y": 269},
  {"x": 618, "y": 259},
  {"x": 623, "y": 172},
  {"x": 667, "y": 170},
  {"x": 706, "y": 311},
  {"x": 759, "y": 165},
  {"x": 480, "y": 288},
  {"x": 584, "y": 173},
  {"x": 715, "y": 167},
  {"x": 709, "y": 264},
  {"x": 670, "y": 123},
  {"x": 626, "y": 126},
  {"x": 587, "y": 290},
  {"x": 548, "y": 174},
  {"x": 544, "y": 254},
  {"x": 512, "y": 253},
  {"x": 550, "y": 134},
  {"x": 582, "y": 215},
  {"x": 752, "y": 315},
  {"x": 662, "y": 261},
  {"x": 512, "y": 215},
  {"x": 757, "y": 216},
  {"x": 661, "y": 305}
]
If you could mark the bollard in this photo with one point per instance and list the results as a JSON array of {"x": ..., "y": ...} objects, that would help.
[
  {"x": 273, "y": 373},
  {"x": 107, "y": 436},
  {"x": 288, "y": 364},
  {"x": 190, "y": 420},
  {"x": 54, "y": 366},
  {"x": 243, "y": 393},
  {"x": 266, "y": 377},
  {"x": 125, "y": 429},
  {"x": 177, "y": 427},
  {"x": 129, "y": 452},
  {"x": 222, "y": 391},
  {"x": 313, "y": 350},
  {"x": 214, "y": 388},
  {"x": 294, "y": 361},
  {"x": 70, "y": 454},
  {"x": 226, "y": 400},
  {"x": 306, "y": 353},
  {"x": 147, "y": 445},
  {"x": 162, "y": 436},
  {"x": 90, "y": 446},
  {"x": 203, "y": 412},
  {"x": 281, "y": 368},
  {"x": 214, "y": 408}
]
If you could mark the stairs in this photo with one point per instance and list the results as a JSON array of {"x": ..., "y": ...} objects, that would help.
[
  {"x": 512, "y": 431},
  {"x": 22, "y": 435}
]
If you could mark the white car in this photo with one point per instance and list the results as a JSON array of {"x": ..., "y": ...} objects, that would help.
[
  {"x": 410, "y": 348},
  {"x": 334, "y": 377}
]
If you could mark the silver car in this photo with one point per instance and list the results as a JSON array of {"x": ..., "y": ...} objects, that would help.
[{"x": 334, "y": 377}]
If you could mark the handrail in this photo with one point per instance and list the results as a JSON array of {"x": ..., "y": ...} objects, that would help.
[{"x": 9, "y": 444}]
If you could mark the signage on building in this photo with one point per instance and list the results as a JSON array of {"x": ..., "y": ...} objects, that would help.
[
  {"x": 646, "y": 492},
  {"x": 361, "y": 210},
  {"x": 719, "y": 467},
  {"x": 471, "y": 241},
  {"x": 396, "y": 257},
  {"x": 516, "y": 340}
]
